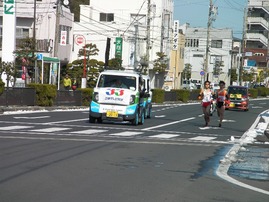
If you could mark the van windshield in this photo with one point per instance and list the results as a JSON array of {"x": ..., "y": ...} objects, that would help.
[
  {"x": 117, "y": 81},
  {"x": 237, "y": 90}
]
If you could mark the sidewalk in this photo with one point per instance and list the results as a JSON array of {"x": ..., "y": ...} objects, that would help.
[{"x": 247, "y": 162}]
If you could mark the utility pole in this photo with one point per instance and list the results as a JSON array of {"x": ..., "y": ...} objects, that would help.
[
  {"x": 135, "y": 45},
  {"x": 243, "y": 47},
  {"x": 148, "y": 36},
  {"x": 207, "y": 40},
  {"x": 34, "y": 42},
  {"x": 58, "y": 13}
]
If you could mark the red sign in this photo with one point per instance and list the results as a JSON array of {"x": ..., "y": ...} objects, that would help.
[
  {"x": 23, "y": 76},
  {"x": 80, "y": 40}
]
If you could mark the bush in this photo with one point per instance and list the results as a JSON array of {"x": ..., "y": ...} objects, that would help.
[
  {"x": 2, "y": 86},
  {"x": 263, "y": 91},
  {"x": 182, "y": 95},
  {"x": 86, "y": 95},
  {"x": 253, "y": 92},
  {"x": 45, "y": 93},
  {"x": 157, "y": 95}
]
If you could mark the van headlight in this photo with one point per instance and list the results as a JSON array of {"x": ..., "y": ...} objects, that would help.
[
  {"x": 132, "y": 99},
  {"x": 95, "y": 97}
]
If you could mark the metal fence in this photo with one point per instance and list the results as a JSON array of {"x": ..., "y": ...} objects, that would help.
[
  {"x": 26, "y": 97},
  {"x": 18, "y": 96}
]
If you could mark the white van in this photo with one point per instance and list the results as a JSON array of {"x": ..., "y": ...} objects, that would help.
[
  {"x": 148, "y": 96},
  {"x": 111, "y": 101}
]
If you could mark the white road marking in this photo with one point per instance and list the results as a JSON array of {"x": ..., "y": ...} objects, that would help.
[
  {"x": 225, "y": 120},
  {"x": 49, "y": 130},
  {"x": 202, "y": 138},
  {"x": 29, "y": 117},
  {"x": 15, "y": 127},
  {"x": 167, "y": 124},
  {"x": 89, "y": 131},
  {"x": 160, "y": 116},
  {"x": 209, "y": 127},
  {"x": 74, "y": 120},
  {"x": 164, "y": 136},
  {"x": 126, "y": 134}
]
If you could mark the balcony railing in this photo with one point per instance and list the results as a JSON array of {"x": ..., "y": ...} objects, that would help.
[
  {"x": 258, "y": 20},
  {"x": 257, "y": 37}
]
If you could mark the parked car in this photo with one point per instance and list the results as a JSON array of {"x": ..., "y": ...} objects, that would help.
[{"x": 238, "y": 98}]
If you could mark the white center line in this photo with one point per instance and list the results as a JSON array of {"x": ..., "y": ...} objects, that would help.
[{"x": 167, "y": 124}]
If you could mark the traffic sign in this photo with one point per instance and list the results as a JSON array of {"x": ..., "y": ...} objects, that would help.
[
  {"x": 80, "y": 39},
  {"x": 202, "y": 73}
]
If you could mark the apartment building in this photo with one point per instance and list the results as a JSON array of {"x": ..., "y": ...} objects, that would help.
[
  {"x": 256, "y": 34},
  {"x": 125, "y": 23}
]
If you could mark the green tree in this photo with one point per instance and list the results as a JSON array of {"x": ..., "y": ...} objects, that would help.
[
  {"x": 115, "y": 64},
  {"x": 9, "y": 69},
  {"x": 233, "y": 75},
  {"x": 25, "y": 53},
  {"x": 160, "y": 64},
  {"x": 187, "y": 71}
]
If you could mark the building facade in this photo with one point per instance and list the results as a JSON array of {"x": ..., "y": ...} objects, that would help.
[
  {"x": 135, "y": 29},
  {"x": 256, "y": 35},
  {"x": 220, "y": 46},
  {"x": 47, "y": 12},
  {"x": 51, "y": 26}
]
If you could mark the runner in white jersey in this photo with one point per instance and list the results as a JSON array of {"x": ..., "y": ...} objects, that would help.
[{"x": 206, "y": 96}]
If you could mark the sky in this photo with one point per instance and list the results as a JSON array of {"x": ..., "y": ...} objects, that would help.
[{"x": 195, "y": 12}]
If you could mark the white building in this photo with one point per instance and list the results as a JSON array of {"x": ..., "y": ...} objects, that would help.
[
  {"x": 219, "y": 53},
  {"x": 46, "y": 12},
  {"x": 46, "y": 27},
  {"x": 126, "y": 19}
]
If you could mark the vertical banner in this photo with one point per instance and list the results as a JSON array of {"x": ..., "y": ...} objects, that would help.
[
  {"x": 63, "y": 38},
  {"x": 118, "y": 48},
  {"x": 175, "y": 34},
  {"x": 9, "y": 30}
]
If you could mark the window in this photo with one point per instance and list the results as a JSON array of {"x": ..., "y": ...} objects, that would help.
[
  {"x": 192, "y": 43},
  {"x": 198, "y": 55},
  {"x": 106, "y": 17},
  {"x": 216, "y": 44},
  {"x": 22, "y": 33}
]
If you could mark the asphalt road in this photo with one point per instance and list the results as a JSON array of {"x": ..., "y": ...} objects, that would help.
[{"x": 58, "y": 156}]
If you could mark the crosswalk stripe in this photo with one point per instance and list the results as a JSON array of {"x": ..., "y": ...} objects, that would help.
[
  {"x": 165, "y": 136},
  {"x": 126, "y": 134},
  {"x": 49, "y": 130},
  {"x": 15, "y": 127},
  {"x": 202, "y": 138},
  {"x": 90, "y": 131}
]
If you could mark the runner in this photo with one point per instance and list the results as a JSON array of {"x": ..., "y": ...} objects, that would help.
[
  {"x": 206, "y": 97},
  {"x": 221, "y": 97}
]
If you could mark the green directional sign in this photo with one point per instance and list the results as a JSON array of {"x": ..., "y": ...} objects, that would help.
[
  {"x": 118, "y": 47},
  {"x": 9, "y": 7}
]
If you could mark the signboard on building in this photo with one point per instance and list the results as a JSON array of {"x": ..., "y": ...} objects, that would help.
[
  {"x": 63, "y": 38},
  {"x": 175, "y": 34},
  {"x": 80, "y": 40},
  {"x": 118, "y": 47}
]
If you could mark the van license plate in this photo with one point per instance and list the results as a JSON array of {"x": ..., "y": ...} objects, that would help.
[
  {"x": 232, "y": 104},
  {"x": 113, "y": 114}
]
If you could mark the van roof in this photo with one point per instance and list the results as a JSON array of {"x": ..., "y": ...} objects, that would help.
[{"x": 120, "y": 73}]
